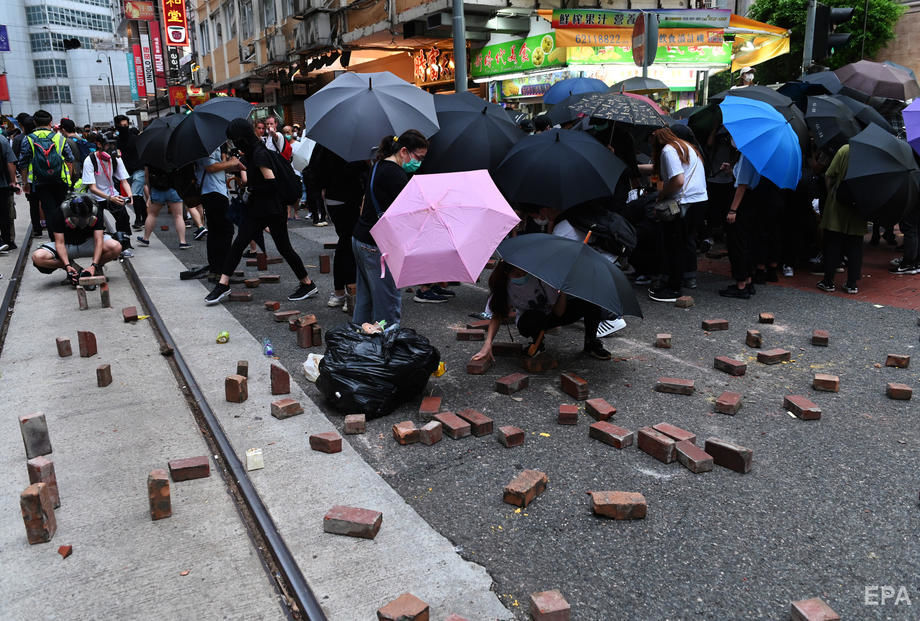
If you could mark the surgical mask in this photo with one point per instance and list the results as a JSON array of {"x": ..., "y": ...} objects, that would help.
[
  {"x": 411, "y": 166},
  {"x": 748, "y": 78},
  {"x": 520, "y": 281},
  {"x": 288, "y": 136},
  {"x": 541, "y": 221}
]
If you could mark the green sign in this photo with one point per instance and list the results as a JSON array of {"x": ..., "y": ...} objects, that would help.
[
  {"x": 537, "y": 52},
  {"x": 683, "y": 54}
]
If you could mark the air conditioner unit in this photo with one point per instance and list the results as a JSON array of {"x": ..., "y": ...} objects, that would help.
[
  {"x": 248, "y": 53},
  {"x": 277, "y": 47},
  {"x": 317, "y": 31}
]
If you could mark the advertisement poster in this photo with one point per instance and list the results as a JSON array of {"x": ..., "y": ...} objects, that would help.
[
  {"x": 176, "y": 22},
  {"x": 4, "y": 39},
  {"x": 132, "y": 76},
  {"x": 139, "y": 70},
  {"x": 537, "y": 52},
  {"x": 141, "y": 11},
  {"x": 159, "y": 67},
  {"x": 147, "y": 57}
]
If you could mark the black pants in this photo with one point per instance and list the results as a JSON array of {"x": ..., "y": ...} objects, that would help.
[
  {"x": 6, "y": 222},
  {"x": 910, "y": 226},
  {"x": 836, "y": 245},
  {"x": 741, "y": 238},
  {"x": 220, "y": 229},
  {"x": 672, "y": 251},
  {"x": 531, "y": 322},
  {"x": 344, "y": 218},
  {"x": 694, "y": 221},
  {"x": 251, "y": 227},
  {"x": 49, "y": 197},
  {"x": 140, "y": 209},
  {"x": 720, "y": 199},
  {"x": 769, "y": 223},
  {"x": 120, "y": 213},
  {"x": 318, "y": 208}
]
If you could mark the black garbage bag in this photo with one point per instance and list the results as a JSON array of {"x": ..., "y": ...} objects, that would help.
[{"x": 374, "y": 373}]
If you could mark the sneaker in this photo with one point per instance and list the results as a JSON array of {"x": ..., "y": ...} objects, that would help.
[
  {"x": 689, "y": 283},
  {"x": 851, "y": 290},
  {"x": 249, "y": 254},
  {"x": 706, "y": 245},
  {"x": 483, "y": 315},
  {"x": 349, "y": 305},
  {"x": 336, "y": 300},
  {"x": 906, "y": 268},
  {"x": 596, "y": 350},
  {"x": 127, "y": 253},
  {"x": 732, "y": 291},
  {"x": 751, "y": 288},
  {"x": 184, "y": 246},
  {"x": 304, "y": 291},
  {"x": 201, "y": 232},
  {"x": 188, "y": 223},
  {"x": 142, "y": 241},
  {"x": 663, "y": 294},
  {"x": 218, "y": 293},
  {"x": 442, "y": 291},
  {"x": 829, "y": 287},
  {"x": 788, "y": 272},
  {"x": 4, "y": 247},
  {"x": 609, "y": 326},
  {"x": 429, "y": 297},
  {"x": 321, "y": 223},
  {"x": 895, "y": 262},
  {"x": 642, "y": 280}
]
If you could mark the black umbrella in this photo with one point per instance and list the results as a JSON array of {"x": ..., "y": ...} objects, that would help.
[
  {"x": 865, "y": 114},
  {"x": 474, "y": 135},
  {"x": 879, "y": 80},
  {"x": 831, "y": 122},
  {"x": 204, "y": 129},
  {"x": 621, "y": 109},
  {"x": 516, "y": 116},
  {"x": 574, "y": 268},
  {"x": 152, "y": 142},
  {"x": 558, "y": 168},
  {"x": 705, "y": 121},
  {"x": 562, "y": 112},
  {"x": 686, "y": 113},
  {"x": 799, "y": 92},
  {"x": 638, "y": 84}
]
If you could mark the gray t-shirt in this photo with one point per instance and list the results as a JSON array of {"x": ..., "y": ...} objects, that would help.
[{"x": 6, "y": 157}]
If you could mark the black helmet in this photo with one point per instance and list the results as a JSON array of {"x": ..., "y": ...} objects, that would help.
[{"x": 80, "y": 212}]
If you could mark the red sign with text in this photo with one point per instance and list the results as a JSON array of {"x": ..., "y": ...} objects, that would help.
[
  {"x": 159, "y": 67},
  {"x": 139, "y": 70},
  {"x": 178, "y": 96},
  {"x": 176, "y": 22}
]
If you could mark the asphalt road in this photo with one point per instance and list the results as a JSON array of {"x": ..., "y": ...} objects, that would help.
[{"x": 830, "y": 508}]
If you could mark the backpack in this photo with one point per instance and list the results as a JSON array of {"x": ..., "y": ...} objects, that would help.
[
  {"x": 47, "y": 158},
  {"x": 290, "y": 187},
  {"x": 159, "y": 179},
  {"x": 610, "y": 231},
  {"x": 85, "y": 149},
  {"x": 185, "y": 182}
]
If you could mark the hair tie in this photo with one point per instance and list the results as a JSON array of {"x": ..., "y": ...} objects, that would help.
[{"x": 395, "y": 138}]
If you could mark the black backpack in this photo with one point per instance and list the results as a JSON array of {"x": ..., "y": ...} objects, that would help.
[
  {"x": 185, "y": 182},
  {"x": 159, "y": 179},
  {"x": 290, "y": 187},
  {"x": 610, "y": 231}
]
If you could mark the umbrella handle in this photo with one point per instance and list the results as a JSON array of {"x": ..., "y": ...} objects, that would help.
[
  {"x": 383, "y": 266},
  {"x": 587, "y": 237}
]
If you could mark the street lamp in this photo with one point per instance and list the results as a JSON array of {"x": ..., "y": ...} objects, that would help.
[
  {"x": 103, "y": 77},
  {"x": 111, "y": 84}
]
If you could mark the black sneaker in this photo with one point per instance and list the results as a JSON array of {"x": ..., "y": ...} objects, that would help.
[
  {"x": 689, "y": 283},
  {"x": 218, "y": 293},
  {"x": 429, "y": 297},
  {"x": 442, "y": 291},
  {"x": 852, "y": 290},
  {"x": 732, "y": 291},
  {"x": 4, "y": 247},
  {"x": 905, "y": 268},
  {"x": 201, "y": 232},
  {"x": 142, "y": 241},
  {"x": 184, "y": 246},
  {"x": 824, "y": 286},
  {"x": 663, "y": 294},
  {"x": 304, "y": 291},
  {"x": 249, "y": 254},
  {"x": 595, "y": 349}
]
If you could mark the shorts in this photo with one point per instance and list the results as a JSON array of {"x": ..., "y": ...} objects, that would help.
[
  {"x": 137, "y": 182},
  {"x": 74, "y": 251},
  {"x": 162, "y": 197}
]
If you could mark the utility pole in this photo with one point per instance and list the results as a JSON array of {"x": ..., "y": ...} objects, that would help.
[
  {"x": 808, "y": 52},
  {"x": 459, "y": 47}
]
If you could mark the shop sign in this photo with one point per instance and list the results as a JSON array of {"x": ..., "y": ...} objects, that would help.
[
  {"x": 141, "y": 11},
  {"x": 433, "y": 65},
  {"x": 176, "y": 22},
  {"x": 531, "y": 85},
  {"x": 537, "y": 52},
  {"x": 668, "y": 18},
  {"x": 684, "y": 54},
  {"x": 178, "y": 96},
  {"x": 622, "y": 37}
]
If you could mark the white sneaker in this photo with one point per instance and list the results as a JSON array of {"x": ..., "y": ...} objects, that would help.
[
  {"x": 788, "y": 272},
  {"x": 608, "y": 327},
  {"x": 335, "y": 300}
]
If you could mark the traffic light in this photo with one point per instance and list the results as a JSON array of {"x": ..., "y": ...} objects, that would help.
[{"x": 826, "y": 40}]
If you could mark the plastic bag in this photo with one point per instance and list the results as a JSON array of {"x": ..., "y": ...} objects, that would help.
[
  {"x": 374, "y": 373},
  {"x": 311, "y": 366}
]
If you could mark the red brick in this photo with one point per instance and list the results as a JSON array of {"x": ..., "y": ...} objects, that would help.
[
  {"x": 574, "y": 386},
  {"x": 729, "y": 365},
  {"x": 324, "y": 264},
  {"x": 568, "y": 415},
  {"x": 728, "y": 403},
  {"x": 240, "y": 296},
  {"x": 242, "y": 368},
  {"x": 405, "y": 432},
  {"x": 754, "y": 339},
  {"x": 63, "y": 347},
  {"x": 510, "y": 384},
  {"x": 406, "y": 607},
  {"x": 352, "y": 522},
  {"x": 525, "y": 487},
  {"x": 813, "y": 609},
  {"x": 38, "y": 513},
  {"x": 65, "y": 551},
  {"x": 326, "y": 442},
  {"x": 663, "y": 340},
  {"x": 715, "y": 325},
  {"x": 728, "y": 455},
  {"x": 261, "y": 261},
  {"x": 684, "y": 301},
  {"x": 464, "y": 334},
  {"x": 454, "y": 426},
  {"x": 611, "y": 434},
  {"x": 826, "y": 382},
  {"x": 431, "y": 433},
  {"x": 802, "y": 407},
  {"x": 105, "y": 295},
  {"x": 900, "y": 392},
  {"x": 480, "y": 424},
  {"x": 503, "y": 349},
  {"x": 900, "y": 361},
  {"x": 317, "y": 336},
  {"x": 677, "y": 433},
  {"x": 354, "y": 424},
  {"x": 81, "y": 298},
  {"x": 766, "y": 318},
  {"x": 41, "y": 470},
  {"x": 252, "y": 283},
  {"x": 272, "y": 305},
  {"x": 482, "y": 324},
  {"x": 656, "y": 444},
  {"x": 189, "y": 468},
  {"x": 693, "y": 458},
  {"x": 675, "y": 385},
  {"x": 87, "y": 342},
  {"x": 478, "y": 367},
  {"x": 251, "y": 262},
  {"x": 281, "y": 380},
  {"x": 164, "y": 227},
  {"x": 158, "y": 494},
  {"x": 103, "y": 375},
  {"x": 820, "y": 338},
  {"x": 286, "y": 408},
  {"x": 34, "y": 430},
  {"x": 305, "y": 337},
  {"x": 619, "y": 505},
  {"x": 599, "y": 409},
  {"x": 774, "y": 356},
  {"x": 540, "y": 363},
  {"x": 235, "y": 389},
  {"x": 274, "y": 260},
  {"x": 429, "y": 407},
  {"x": 129, "y": 313},
  {"x": 510, "y": 436},
  {"x": 285, "y": 315},
  {"x": 549, "y": 606}
]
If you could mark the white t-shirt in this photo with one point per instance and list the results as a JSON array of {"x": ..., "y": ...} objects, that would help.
[
  {"x": 565, "y": 229},
  {"x": 104, "y": 179},
  {"x": 694, "y": 190}
]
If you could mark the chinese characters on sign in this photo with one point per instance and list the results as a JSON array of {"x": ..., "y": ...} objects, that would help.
[
  {"x": 176, "y": 23},
  {"x": 537, "y": 52},
  {"x": 433, "y": 65},
  {"x": 142, "y": 11}
]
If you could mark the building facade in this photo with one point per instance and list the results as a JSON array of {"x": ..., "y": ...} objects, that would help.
[{"x": 904, "y": 49}]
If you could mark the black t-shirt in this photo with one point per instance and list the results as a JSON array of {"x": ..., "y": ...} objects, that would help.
[
  {"x": 54, "y": 218},
  {"x": 263, "y": 193},
  {"x": 386, "y": 184}
]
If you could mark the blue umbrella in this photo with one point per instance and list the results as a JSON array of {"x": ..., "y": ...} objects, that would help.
[
  {"x": 573, "y": 86},
  {"x": 765, "y": 138}
]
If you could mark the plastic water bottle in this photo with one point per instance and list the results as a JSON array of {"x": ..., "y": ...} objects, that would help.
[{"x": 267, "y": 348}]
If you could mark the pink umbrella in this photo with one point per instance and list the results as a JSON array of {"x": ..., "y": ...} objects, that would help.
[
  {"x": 443, "y": 227},
  {"x": 647, "y": 100}
]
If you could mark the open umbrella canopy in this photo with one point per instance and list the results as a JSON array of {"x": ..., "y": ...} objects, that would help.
[
  {"x": 799, "y": 92},
  {"x": 443, "y": 227},
  {"x": 558, "y": 168},
  {"x": 204, "y": 129},
  {"x": 686, "y": 113},
  {"x": 572, "y": 86},
  {"x": 911, "y": 116},
  {"x": 781, "y": 103},
  {"x": 879, "y": 80},
  {"x": 152, "y": 142},
  {"x": 638, "y": 84},
  {"x": 622, "y": 108},
  {"x": 765, "y": 138},
  {"x": 574, "y": 268},
  {"x": 350, "y": 115},
  {"x": 831, "y": 121},
  {"x": 906, "y": 70},
  {"x": 562, "y": 112},
  {"x": 881, "y": 177},
  {"x": 474, "y": 135},
  {"x": 865, "y": 114}
]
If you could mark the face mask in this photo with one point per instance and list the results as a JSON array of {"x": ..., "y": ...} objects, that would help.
[
  {"x": 520, "y": 281},
  {"x": 541, "y": 221},
  {"x": 288, "y": 136},
  {"x": 748, "y": 78},
  {"x": 411, "y": 166}
]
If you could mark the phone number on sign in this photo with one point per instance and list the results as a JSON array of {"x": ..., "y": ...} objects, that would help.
[{"x": 601, "y": 39}]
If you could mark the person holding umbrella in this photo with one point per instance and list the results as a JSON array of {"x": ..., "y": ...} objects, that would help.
[{"x": 844, "y": 228}]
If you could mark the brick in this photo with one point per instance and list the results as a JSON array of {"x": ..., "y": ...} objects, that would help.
[
  {"x": 158, "y": 494},
  {"x": 190, "y": 468},
  {"x": 599, "y": 409},
  {"x": 454, "y": 426},
  {"x": 272, "y": 305},
  {"x": 574, "y": 386},
  {"x": 820, "y": 338},
  {"x": 105, "y": 295},
  {"x": 326, "y": 442},
  {"x": 692, "y": 457},
  {"x": 63, "y": 347},
  {"x": 235, "y": 389},
  {"x": 305, "y": 337},
  {"x": 429, "y": 407},
  {"x": 239, "y": 273},
  {"x": 656, "y": 444},
  {"x": 324, "y": 264},
  {"x": 261, "y": 261},
  {"x": 480, "y": 424},
  {"x": 330, "y": 245},
  {"x": 510, "y": 384},
  {"x": 242, "y": 368},
  {"x": 164, "y": 227},
  {"x": 728, "y": 455},
  {"x": 38, "y": 513},
  {"x": 507, "y": 350},
  {"x": 774, "y": 356},
  {"x": 525, "y": 487},
  {"x": 251, "y": 262},
  {"x": 354, "y": 424},
  {"x": 754, "y": 339},
  {"x": 510, "y": 436},
  {"x": 813, "y": 609},
  {"x": 352, "y": 522},
  {"x": 317, "y": 336},
  {"x": 663, "y": 340},
  {"x": 286, "y": 408},
  {"x": 270, "y": 279},
  {"x": 611, "y": 434},
  {"x": 301, "y": 322},
  {"x": 103, "y": 375},
  {"x": 281, "y": 380},
  {"x": 900, "y": 361},
  {"x": 89, "y": 281},
  {"x": 568, "y": 415},
  {"x": 478, "y": 367},
  {"x": 406, "y": 432},
  {"x": 728, "y": 403},
  {"x": 65, "y": 551},
  {"x": 87, "y": 341},
  {"x": 540, "y": 363},
  {"x": 41, "y": 470},
  {"x": 766, "y": 318},
  {"x": 684, "y": 301},
  {"x": 431, "y": 433},
  {"x": 899, "y": 392},
  {"x": 274, "y": 260},
  {"x": 240, "y": 296},
  {"x": 802, "y": 407},
  {"x": 729, "y": 365},
  {"x": 715, "y": 325},
  {"x": 252, "y": 283},
  {"x": 826, "y": 382},
  {"x": 282, "y": 316},
  {"x": 677, "y": 433},
  {"x": 406, "y": 607},
  {"x": 81, "y": 298},
  {"x": 549, "y": 606},
  {"x": 129, "y": 313},
  {"x": 35, "y": 437},
  {"x": 619, "y": 505},
  {"x": 481, "y": 324},
  {"x": 675, "y": 386}
]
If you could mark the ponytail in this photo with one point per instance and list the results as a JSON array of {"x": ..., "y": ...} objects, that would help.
[{"x": 411, "y": 139}]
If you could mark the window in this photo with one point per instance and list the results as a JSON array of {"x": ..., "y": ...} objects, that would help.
[
  {"x": 246, "y": 19},
  {"x": 230, "y": 15},
  {"x": 50, "y": 68},
  {"x": 218, "y": 28},
  {"x": 59, "y": 16},
  {"x": 268, "y": 13},
  {"x": 53, "y": 94},
  {"x": 54, "y": 41},
  {"x": 205, "y": 38}
]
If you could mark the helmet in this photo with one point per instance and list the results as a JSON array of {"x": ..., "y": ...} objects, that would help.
[{"x": 80, "y": 212}]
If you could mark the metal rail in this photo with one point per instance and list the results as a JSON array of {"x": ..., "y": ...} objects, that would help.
[{"x": 13, "y": 288}]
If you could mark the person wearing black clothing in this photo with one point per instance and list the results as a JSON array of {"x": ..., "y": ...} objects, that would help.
[
  {"x": 125, "y": 139},
  {"x": 49, "y": 185},
  {"x": 264, "y": 209},
  {"x": 378, "y": 298},
  {"x": 27, "y": 125},
  {"x": 8, "y": 186}
]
